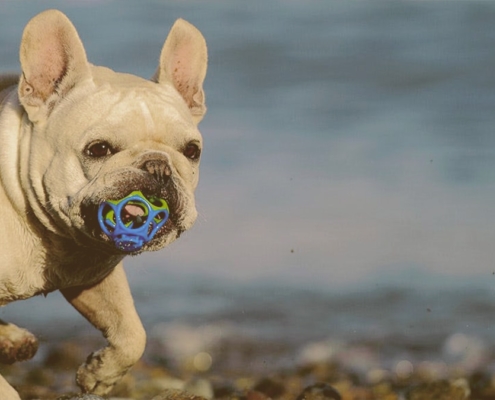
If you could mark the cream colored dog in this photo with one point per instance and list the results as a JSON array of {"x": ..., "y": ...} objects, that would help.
[{"x": 71, "y": 136}]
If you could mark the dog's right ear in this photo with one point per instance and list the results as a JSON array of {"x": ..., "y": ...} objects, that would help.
[{"x": 53, "y": 61}]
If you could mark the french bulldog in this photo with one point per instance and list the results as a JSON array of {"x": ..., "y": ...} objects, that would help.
[{"x": 73, "y": 135}]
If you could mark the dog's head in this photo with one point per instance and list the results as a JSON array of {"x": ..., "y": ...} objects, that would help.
[{"x": 91, "y": 134}]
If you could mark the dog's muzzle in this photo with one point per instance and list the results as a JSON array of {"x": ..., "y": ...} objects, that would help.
[
  {"x": 133, "y": 221},
  {"x": 142, "y": 205}
]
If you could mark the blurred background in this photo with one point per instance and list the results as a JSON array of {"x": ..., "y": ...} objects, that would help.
[{"x": 347, "y": 179}]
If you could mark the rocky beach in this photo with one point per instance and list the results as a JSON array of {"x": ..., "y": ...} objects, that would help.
[
  {"x": 254, "y": 342},
  {"x": 240, "y": 370},
  {"x": 54, "y": 379}
]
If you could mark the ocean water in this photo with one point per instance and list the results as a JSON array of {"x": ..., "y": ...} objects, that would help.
[{"x": 347, "y": 180}]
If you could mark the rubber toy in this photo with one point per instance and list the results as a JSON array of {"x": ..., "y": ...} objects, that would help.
[{"x": 133, "y": 221}]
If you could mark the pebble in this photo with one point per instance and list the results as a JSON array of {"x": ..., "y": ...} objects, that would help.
[
  {"x": 319, "y": 391},
  {"x": 120, "y": 398},
  {"x": 174, "y": 394},
  {"x": 272, "y": 387},
  {"x": 439, "y": 390}
]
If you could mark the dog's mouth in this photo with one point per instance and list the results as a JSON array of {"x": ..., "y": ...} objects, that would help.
[
  {"x": 135, "y": 215},
  {"x": 149, "y": 195}
]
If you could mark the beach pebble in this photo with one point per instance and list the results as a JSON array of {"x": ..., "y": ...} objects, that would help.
[
  {"x": 222, "y": 388},
  {"x": 147, "y": 388},
  {"x": 384, "y": 391},
  {"x": 254, "y": 395},
  {"x": 440, "y": 390},
  {"x": 272, "y": 387},
  {"x": 174, "y": 394},
  {"x": 482, "y": 386},
  {"x": 319, "y": 391}
]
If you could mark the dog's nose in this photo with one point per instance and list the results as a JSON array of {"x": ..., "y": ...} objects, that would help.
[{"x": 159, "y": 168}]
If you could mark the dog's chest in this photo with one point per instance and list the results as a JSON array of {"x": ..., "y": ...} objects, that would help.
[
  {"x": 43, "y": 274},
  {"x": 21, "y": 282}
]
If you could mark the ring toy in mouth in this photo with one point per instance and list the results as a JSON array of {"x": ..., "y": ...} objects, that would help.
[{"x": 133, "y": 221}]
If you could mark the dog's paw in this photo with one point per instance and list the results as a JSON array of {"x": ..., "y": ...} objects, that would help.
[
  {"x": 16, "y": 344},
  {"x": 100, "y": 373}
]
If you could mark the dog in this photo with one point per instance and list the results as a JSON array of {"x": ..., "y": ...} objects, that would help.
[{"x": 74, "y": 135}]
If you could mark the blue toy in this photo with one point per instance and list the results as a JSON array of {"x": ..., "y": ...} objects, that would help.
[{"x": 132, "y": 222}]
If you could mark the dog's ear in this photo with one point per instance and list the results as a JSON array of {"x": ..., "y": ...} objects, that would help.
[
  {"x": 53, "y": 61},
  {"x": 183, "y": 62}
]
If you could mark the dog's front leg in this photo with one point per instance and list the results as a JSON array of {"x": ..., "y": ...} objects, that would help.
[{"x": 108, "y": 305}]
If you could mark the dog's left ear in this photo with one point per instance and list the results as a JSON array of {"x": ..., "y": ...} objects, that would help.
[
  {"x": 53, "y": 61},
  {"x": 183, "y": 62}
]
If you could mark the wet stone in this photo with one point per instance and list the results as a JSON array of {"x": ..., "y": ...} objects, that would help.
[
  {"x": 248, "y": 395},
  {"x": 383, "y": 391},
  {"x": 255, "y": 395},
  {"x": 81, "y": 397},
  {"x": 440, "y": 390},
  {"x": 271, "y": 387},
  {"x": 482, "y": 386},
  {"x": 175, "y": 394},
  {"x": 223, "y": 389},
  {"x": 319, "y": 391}
]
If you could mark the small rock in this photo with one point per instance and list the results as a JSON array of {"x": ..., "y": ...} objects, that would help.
[
  {"x": 254, "y": 395},
  {"x": 272, "y": 387},
  {"x": 80, "y": 397},
  {"x": 384, "y": 391},
  {"x": 174, "y": 394},
  {"x": 249, "y": 395},
  {"x": 120, "y": 398},
  {"x": 222, "y": 388},
  {"x": 482, "y": 386},
  {"x": 319, "y": 391},
  {"x": 147, "y": 388},
  {"x": 440, "y": 390}
]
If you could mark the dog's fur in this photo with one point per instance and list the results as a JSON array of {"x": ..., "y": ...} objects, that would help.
[{"x": 71, "y": 136}]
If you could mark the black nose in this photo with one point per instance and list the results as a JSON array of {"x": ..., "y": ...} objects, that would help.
[{"x": 159, "y": 168}]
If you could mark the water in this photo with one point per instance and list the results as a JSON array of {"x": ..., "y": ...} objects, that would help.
[{"x": 347, "y": 178}]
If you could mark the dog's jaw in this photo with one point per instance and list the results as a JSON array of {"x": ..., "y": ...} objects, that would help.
[{"x": 83, "y": 208}]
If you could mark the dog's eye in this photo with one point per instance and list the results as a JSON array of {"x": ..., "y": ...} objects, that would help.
[
  {"x": 192, "y": 151},
  {"x": 99, "y": 149}
]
